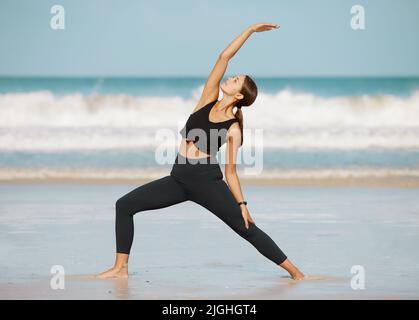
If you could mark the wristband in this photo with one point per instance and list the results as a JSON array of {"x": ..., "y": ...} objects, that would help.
[{"x": 242, "y": 202}]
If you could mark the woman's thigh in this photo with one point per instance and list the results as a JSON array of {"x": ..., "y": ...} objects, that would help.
[
  {"x": 155, "y": 194},
  {"x": 216, "y": 196}
]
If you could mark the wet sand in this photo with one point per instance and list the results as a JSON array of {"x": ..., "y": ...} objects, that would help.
[
  {"x": 185, "y": 252},
  {"x": 366, "y": 181}
]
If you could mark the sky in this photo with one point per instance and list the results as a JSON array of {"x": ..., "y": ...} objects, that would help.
[{"x": 183, "y": 38}]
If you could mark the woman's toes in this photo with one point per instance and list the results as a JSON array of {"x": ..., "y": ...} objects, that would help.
[{"x": 114, "y": 273}]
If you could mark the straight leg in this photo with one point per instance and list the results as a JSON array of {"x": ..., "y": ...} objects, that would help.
[{"x": 216, "y": 196}]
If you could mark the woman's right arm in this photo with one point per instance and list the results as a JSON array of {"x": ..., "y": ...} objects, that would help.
[{"x": 212, "y": 85}]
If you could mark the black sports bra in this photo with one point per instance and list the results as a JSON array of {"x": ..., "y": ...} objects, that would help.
[{"x": 207, "y": 136}]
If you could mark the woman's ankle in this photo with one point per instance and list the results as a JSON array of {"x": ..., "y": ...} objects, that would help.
[
  {"x": 121, "y": 265},
  {"x": 121, "y": 260}
]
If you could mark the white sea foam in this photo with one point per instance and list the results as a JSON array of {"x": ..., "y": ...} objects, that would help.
[{"x": 42, "y": 121}]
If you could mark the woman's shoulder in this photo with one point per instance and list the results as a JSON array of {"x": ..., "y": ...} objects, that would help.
[
  {"x": 233, "y": 129},
  {"x": 204, "y": 104}
]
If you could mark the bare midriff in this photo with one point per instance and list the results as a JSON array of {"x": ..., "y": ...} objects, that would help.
[{"x": 188, "y": 150}]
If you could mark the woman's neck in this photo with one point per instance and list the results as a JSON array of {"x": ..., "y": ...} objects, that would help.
[{"x": 225, "y": 106}]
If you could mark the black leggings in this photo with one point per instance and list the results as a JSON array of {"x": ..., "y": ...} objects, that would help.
[{"x": 201, "y": 182}]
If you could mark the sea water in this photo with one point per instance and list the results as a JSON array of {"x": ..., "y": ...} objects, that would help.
[{"x": 113, "y": 127}]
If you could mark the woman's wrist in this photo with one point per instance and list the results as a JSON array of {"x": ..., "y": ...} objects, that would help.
[
  {"x": 250, "y": 29},
  {"x": 241, "y": 203}
]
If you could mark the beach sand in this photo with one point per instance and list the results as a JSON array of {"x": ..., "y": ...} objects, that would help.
[{"x": 185, "y": 252}]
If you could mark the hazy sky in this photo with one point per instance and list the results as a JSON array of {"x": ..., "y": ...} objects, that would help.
[{"x": 184, "y": 37}]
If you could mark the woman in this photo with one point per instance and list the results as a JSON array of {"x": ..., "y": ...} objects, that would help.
[{"x": 196, "y": 174}]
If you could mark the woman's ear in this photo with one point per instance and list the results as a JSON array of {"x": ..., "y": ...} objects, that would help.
[{"x": 238, "y": 96}]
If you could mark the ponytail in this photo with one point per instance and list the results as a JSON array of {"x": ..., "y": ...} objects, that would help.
[
  {"x": 239, "y": 116},
  {"x": 250, "y": 92}
]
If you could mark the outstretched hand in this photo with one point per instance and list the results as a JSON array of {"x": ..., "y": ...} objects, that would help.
[{"x": 260, "y": 27}]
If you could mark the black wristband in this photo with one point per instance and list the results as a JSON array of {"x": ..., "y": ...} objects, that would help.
[{"x": 242, "y": 202}]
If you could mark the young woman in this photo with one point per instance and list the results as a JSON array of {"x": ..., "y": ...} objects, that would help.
[{"x": 196, "y": 174}]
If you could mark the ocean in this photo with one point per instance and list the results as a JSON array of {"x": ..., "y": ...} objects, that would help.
[{"x": 107, "y": 128}]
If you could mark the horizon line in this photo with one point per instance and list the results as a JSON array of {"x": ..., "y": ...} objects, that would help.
[{"x": 92, "y": 76}]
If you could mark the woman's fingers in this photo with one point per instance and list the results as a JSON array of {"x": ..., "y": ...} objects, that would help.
[
  {"x": 260, "y": 27},
  {"x": 246, "y": 223},
  {"x": 248, "y": 219},
  {"x": 271, "y": 25},
  {"x": 267, "y": 26}
]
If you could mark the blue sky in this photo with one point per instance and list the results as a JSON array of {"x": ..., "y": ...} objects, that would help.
[{"x": 184, "y": 37}]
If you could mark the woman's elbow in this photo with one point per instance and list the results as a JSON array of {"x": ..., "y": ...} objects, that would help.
[
  {"x": 224, "y": 56},
  {"x": 230, "y": 173}
]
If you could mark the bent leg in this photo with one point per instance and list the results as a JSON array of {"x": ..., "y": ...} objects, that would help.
[
  {"x": 153, "y": 195},
  {"x": 217, "y": 198}
]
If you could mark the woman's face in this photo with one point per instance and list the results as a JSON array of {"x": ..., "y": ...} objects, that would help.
[{"x": 233, "y": 84}]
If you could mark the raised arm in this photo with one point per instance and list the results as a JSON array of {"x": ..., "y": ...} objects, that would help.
[{"x": 212, "y": 85}]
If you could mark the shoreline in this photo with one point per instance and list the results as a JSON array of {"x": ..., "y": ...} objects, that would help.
[{"x": 373, "y": 182}]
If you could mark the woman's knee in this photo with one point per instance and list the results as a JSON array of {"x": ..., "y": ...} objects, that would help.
[
  {"x": 123, "y": 207},
  {"x": 246, "y": 233}
]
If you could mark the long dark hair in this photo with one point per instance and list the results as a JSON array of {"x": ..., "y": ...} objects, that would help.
[{"x": 249, "y": 91}]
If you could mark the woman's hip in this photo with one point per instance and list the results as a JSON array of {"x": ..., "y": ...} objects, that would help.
[{"x": 189, "y": 169}]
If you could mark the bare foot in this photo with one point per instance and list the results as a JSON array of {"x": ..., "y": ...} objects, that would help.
[
  {"x": 298, "y": 276},
  {"x": 301, "y": 276},
  {"x": 114, "y": 272},
  {"x": 315, "y": 278},
  {"x": 292, "y": 270}
]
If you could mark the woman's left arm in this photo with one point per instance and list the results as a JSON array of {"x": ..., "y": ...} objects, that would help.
[{"x": 233, "y": 141}]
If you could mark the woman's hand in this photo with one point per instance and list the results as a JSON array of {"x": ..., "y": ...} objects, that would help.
[
  {"x": 246, "y": 216},
  {"x": 259, "y": 27}
]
